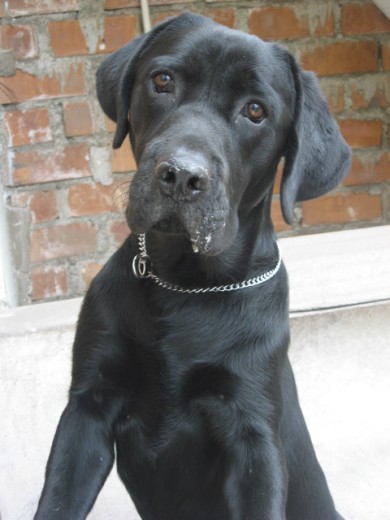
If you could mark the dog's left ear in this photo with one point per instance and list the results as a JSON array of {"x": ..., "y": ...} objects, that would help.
[
  {"x": 317, "y": 157},
  {"x": 114, "y": 80}
]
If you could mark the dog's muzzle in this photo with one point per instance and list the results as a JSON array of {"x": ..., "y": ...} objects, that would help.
[{"x": 183, "y": 177}]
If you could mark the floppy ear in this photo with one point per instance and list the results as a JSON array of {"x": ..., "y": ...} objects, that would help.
[
  {"x": 317, "y": 157},
  {"x": 115, "y": 77}
]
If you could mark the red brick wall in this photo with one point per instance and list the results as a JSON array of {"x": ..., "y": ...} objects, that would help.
[{"x": 65, "y": 188}]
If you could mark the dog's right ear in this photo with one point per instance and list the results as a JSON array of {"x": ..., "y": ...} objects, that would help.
[{"x": 115, "y": 77}]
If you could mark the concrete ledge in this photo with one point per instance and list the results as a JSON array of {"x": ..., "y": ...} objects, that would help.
[
  {"x": 326, "y": 271},
  {"x": 339, "y": 269}
]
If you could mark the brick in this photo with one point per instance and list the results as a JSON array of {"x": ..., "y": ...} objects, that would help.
[
  {"x": 278, "y": 178},
  {"x": 109, "y": 124},
  {"x": 26, "y": 7},
  {"x": 369, "y": 92},
  {"x": 90, "y": 199},
  {"x": 277, "y": 216},
  {"x": 27, "y": 126},
  {"x": 3, "y": 11},
  {"x": 361, "y": 133},
  {"x": 160, "y": 17},
  {"x": 119, "y": 4},
  {"x": 226, "y": 16},
  {"x": 63, "y": 241},
  {"x": 49, "y": 282},
  {"x": 341, "y": 208},
  {"x": 363, "y": 19},
  {"x": 77, "y": 119},
  {"x": 120, "y": 231},
  {"x": 118, "y": 30},
  {"x": 67, "y": 38},
  {"x": 371, "y": 168},
  {"x": 43, "y": 206},
  {"x": 89, "y": 271},
  {"x": 25, "y": 87},
  {"x": 385, "y": 48},
  {"x": 34, "y": 166},
  {"x": 286, "y": 22},
  {"x": 334, "y": 94},
  {"x": 344, "y": 57},
  {"x": 74, "y": 81},
  {"x": 21, "y": 39},
  {"x": 123, "y": 159}
]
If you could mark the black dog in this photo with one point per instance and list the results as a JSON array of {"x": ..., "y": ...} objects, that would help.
[{"x": 193, "y": 387}]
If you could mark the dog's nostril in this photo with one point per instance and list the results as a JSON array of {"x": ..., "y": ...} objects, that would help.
[
  {"x": 181, "y": 180},
  {"x": 194, "y": 184},
  {"x": 168, "y": 176}
]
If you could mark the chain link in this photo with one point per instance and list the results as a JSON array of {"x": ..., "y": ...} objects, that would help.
[{"x": 142, "y": 259}]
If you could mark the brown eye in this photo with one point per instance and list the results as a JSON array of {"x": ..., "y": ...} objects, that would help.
[
  {"x": 162, "y": 81},
  {"x": 255, "y": 112}
]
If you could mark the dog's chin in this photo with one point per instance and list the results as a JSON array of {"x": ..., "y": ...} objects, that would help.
[{"x": 206, "y": 237}]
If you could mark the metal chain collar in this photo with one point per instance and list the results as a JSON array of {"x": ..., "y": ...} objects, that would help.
[{"x": 142, "y": 269}]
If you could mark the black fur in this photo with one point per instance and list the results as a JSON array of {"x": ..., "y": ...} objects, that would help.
[{"x": 195, "y": 390}]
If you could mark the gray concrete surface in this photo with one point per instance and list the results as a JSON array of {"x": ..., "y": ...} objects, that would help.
[{"x": 342, "y": 365}]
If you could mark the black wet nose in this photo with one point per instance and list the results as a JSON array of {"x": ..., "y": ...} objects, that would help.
[{"x": 182, "y": 179}]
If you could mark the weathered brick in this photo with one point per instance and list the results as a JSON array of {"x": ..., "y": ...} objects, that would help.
[
  {"x": 21, "y": 39},
  {"x": 385, "y": 48},
  {"x": 74, "y": 239},
  {"x": 369, "y": 168},
  {"x": 123, "y": 159},
  {"x": 26, "y": 7},
  {"x": 119, "y": 4},
  {"x": 74, "y": 81},
  {"x": 109, "y": 124},
  {"x": 334, "y": 94},
  {"x": 3, "y": 11},
  {"x": 285, "y": 22},
  {"x": 341, "y": 208},
  {"x": 27, "y": 126},
  {"x": 43, "y": 206},
  {"x": 120, "y": 231},
  {"x": 277, "y": 216},
  {"x": 25, "y": 87},
  {"x": 89, "y": 271},
  {"x": 278, "y": 178},
  {"x": 67, "y": 38},
  {"x": 361, "y": 133},
  {"x": 225, "y": 16},
  {"x": 160, "y": 17},
  {"x": 368, "y": 92},
  {"x": 34, "y": 166},
  {"x": 77, "y": 119},
  {"x": 90, "y": 199},
  {"x": 49, "y": 282},
  {"x": 344, "y": 57},
  {"x": 363, "y": 19},
  {"x": 118, "y": 30}
]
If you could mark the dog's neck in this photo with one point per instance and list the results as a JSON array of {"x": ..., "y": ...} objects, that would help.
[{"x": 250, "y": 253}]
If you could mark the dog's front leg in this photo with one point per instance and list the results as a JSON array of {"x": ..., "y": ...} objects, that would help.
[
  {"x": 81, "y": 457},
  {"x": 260, "y": 469}
]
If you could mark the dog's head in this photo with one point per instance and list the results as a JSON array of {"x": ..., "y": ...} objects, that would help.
[{"x": 210, "y": 112}]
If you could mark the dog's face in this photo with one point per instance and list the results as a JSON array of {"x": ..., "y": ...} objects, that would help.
[{"x": 210, "y": 112}]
